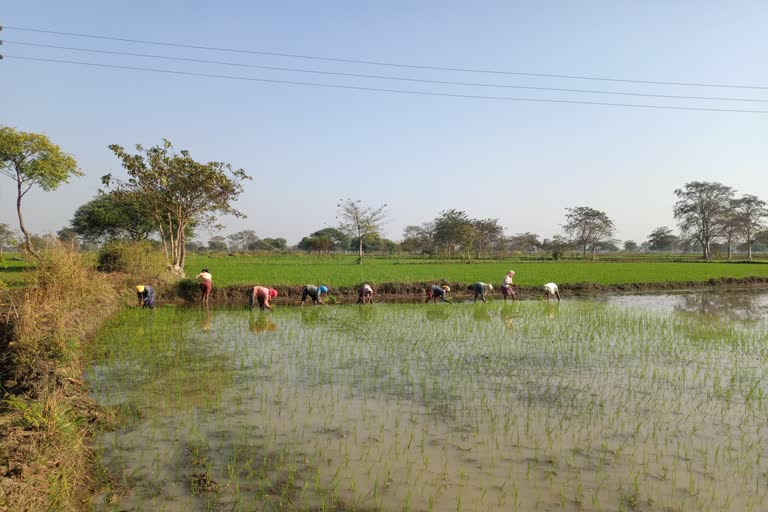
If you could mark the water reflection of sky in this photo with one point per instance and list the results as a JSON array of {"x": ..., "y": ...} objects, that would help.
[{"x": 728, "y": 304}]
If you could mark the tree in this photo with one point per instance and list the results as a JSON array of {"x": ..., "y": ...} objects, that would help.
[
  {"x": 68, "y": 236},
  {"x": 419, "y": 238},
  {"x": 451, "y": 230},
  {"x": 31, "y": 159},
  {"x": 178, "y": 191},
  {"x": 661, "y": 239},
  {"x": 557, "y": 246},
  {"x": 113, "y": 215},
  {"x": 275, "y": 244},
  {"x": 630, "y": 246},
  {"x": 243, "y": 240},
  {"x": 218, "y": 243},
  {"x": 524, "y": 242},
  {"x": 359, "y": 221},
  {"x": 489, "y": 234},
  {"x": 748, "y": 214},
  {"x": 588, "y": 227},
  {"x": 701, "y": 210},
  {"x": 7, "y": 237}
]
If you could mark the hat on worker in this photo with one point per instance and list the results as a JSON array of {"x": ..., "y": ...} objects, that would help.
[
  {"x": 323, "y": 289},
  {"x": 139, "y": 288},
  {"x": 447, "y": 288},
  {"x": 272, "y": 293}
]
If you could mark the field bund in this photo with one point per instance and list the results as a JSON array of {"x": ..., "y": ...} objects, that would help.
[{"x": 403, "y": 280}]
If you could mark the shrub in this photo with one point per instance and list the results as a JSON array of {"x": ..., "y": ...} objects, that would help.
[{"x": 140, "y": 259}]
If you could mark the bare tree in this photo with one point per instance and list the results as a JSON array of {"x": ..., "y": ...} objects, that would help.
[
  {"x": 701, "y": 210},
  {"x": 359, "y": 221}
]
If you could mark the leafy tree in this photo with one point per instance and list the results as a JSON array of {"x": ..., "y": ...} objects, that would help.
[
  {"x": 359, "y": 221},
  {"x": 68, "y": 236},
  {"x": 701, "y": 210},
  {"x": 419, "y": 238},
  {"x": 557, "y": 246},
  {"x": 588, "y": 227},
  {"x": 661, "y": 239},
  {"x": 489, "y": 234},
  {"x": 113, "y": 216},
  {"x": 277, "y": 244},
  {"x": 524, "y": 242},
  {"x": 179, "y": 191},
  {"x": 748, "y": 214},
  {"x": 7, "y": 237},
  {"x": 316, "y": 244},
  {"x": 607, "y": 246},
  {"x": 31, "y": 159},
  {"x": 453, "y": 229},
  {"x": 218, "y": 243},
  {"x": 630, "y": 246},
  {"x": 243, "y": 240}
]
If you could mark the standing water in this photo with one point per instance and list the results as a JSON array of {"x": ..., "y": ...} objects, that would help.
[{"x": 654, "y": 403}]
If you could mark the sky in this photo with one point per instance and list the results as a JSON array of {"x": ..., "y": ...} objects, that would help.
[{"x": 306, "y": 147}]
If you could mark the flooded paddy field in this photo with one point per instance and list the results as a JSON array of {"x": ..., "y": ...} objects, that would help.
[{"x": 652, "y": 403}]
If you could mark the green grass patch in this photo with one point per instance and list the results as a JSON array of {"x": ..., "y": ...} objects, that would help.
[
  {"x": 13, "y": 270},
  {"x": 342, "y": 270}
]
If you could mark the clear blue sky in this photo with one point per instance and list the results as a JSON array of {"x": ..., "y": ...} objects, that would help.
[{"x": 306, "y": 147}]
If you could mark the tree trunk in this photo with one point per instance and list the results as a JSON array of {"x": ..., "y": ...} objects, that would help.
[
  {"x": 749, "y": 250},
  {"x": 707, "y": 254},
  {"x": 27, "y": 242},
  {"x": 729, "y": 248},
  {"x": 360, "y": 251}
]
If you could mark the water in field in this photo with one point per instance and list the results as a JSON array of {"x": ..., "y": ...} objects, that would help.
[{"x": 589, "y": 405}]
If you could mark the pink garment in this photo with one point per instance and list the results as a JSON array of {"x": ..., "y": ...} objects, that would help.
[{"x": 261, "y": 291}]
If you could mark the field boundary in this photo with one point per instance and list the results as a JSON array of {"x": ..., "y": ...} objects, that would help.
[{"x": 186, "y": 292}]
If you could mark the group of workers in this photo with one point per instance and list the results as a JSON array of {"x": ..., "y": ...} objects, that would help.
[{"x": 262, "y": 295}]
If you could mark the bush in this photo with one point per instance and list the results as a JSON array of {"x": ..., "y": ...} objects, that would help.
[{"x": 140, "y": 259}]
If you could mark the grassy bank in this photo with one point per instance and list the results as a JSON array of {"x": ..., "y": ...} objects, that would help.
[
  {"x": 46, "y": 416},
  {"x": 341, "y": 271}
]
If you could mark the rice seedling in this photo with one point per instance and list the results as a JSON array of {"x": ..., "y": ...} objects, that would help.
[{"x": 582, "y": 406}]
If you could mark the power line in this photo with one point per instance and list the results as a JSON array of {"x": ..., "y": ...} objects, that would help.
[
  {"x": 382, "y": 77},
  {"x": 377, "y": 89},
  {"x": 383, "y": 63}
]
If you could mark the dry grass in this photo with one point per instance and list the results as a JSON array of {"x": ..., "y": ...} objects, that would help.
[{"x": 45, "y": 415}]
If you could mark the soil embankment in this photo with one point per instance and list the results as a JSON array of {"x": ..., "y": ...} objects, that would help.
[{"x": 187, "y": 292}]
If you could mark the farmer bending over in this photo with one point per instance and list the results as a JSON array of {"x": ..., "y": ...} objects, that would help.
[
  {"x": 315, "y": 292},
  {"x": 507, "y": 288},
  {"x": 550, "y": 290},
  {"x": 146, "y": 296},
  {"x": 262, "y": 295},
  {"x": 435, "y": 292},
  {"x": 365, "y": 295},
  {"x": 480, "y": 289},
  {"x": 206, "y": 284}
]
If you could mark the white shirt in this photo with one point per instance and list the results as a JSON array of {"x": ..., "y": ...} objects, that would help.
[
  {"x": 205, "y": 275},
  {"x": 550, "y": 288},
  {"x": 507, "y": 280}
]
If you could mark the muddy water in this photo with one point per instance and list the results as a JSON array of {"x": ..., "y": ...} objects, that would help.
[{"x": 622, "y": 403}]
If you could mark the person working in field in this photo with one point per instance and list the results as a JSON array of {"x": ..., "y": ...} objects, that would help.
[
  {"x": 435, "y": 292},
  {"x": 480, "y": 289},
  {"x": 262, "y": 295},
  {"x": 365, "y": 295},
  {"x": 507, "y": 287},
  {"x": 550, "y": 290},
  {"x": 146, "y": 296},
  {"x": 206, "y": 284},
  {"x": 315, "y": 292}
]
